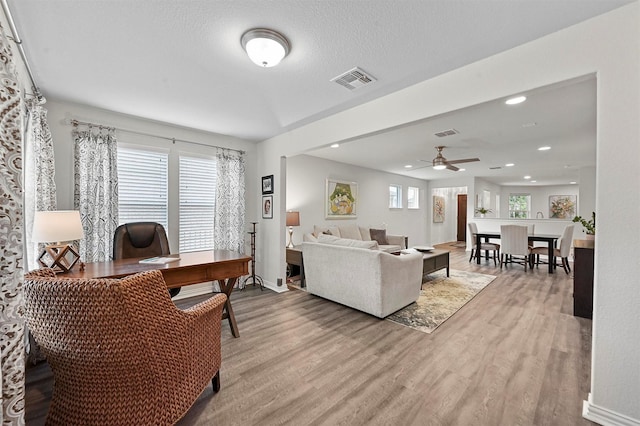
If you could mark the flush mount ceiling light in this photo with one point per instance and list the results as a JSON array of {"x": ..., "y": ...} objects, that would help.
[
  {"x": 516, "y": 100},
  {"x": 266, "y": 48}
]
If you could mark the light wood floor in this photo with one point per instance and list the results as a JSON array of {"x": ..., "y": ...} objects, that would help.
[{"x": 514, "y": 355}]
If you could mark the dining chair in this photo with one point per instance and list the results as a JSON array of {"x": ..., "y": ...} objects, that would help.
[
  {"x": 120, "y": 351},
  {"x": 141, "y": 239},
  {"x": 473, "y": 229},
  {"x": 562, "y": 252},
  {"x": 514, "y": 242}
]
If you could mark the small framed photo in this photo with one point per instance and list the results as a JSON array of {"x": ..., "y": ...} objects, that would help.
[
  {"x": 267, "y": 184},
  {"x": 267, "y": 206}
]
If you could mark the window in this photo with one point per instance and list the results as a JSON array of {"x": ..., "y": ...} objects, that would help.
[
  {"x": 413, "y": 197},
  {"x": 197, "y": 203},
  {"x": 395, "y": 196},
  {"x": 519, "y": 206},
  {"x": 142, "y": 186}
]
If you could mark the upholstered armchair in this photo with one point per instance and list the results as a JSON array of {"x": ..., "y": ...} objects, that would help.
[{"x": 121, "y": 352}]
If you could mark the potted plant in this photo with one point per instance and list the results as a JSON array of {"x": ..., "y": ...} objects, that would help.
[
  {"x": 589, "y": 225},
  {"x": 482, "y": 211}
]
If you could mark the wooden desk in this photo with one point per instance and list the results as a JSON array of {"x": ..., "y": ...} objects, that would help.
[
  {"x": 223, "y": 266},
  {"x": 550, "y": 239}
]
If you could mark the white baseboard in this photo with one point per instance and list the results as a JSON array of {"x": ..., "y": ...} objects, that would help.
[
  {"x": 604, "y": 416},
  {"x": 271, "y": 286}
]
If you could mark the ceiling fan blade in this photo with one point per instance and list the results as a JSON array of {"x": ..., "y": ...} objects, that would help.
[
  {"x": 466, "y": 160},
  {"x": 418, "y": 168},
  {"x": 452, "y": 167}
]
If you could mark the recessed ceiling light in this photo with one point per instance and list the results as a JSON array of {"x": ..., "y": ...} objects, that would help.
[
  {"x": 532, "y": 124},
  {"x": 573, "y": 182},
  {"x": 462, "y": 170},
  {"x": 533, "y": 181},
  {"x": 335, "y": 145},
  {"x": 408, "y": 166},
  {"x": 527, "y": 177},
  {"x": 509, "y": 165},
  {"x": 544, "y": 148},
  {"x": 516, "y": 100}
]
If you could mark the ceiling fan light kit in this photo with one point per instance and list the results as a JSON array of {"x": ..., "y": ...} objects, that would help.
[
  {"x": 441, "y": 163},
  {"x": 265, "y": 47}
]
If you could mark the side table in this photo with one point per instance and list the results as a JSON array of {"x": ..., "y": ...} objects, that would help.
[{"x": 294, "y": 258}]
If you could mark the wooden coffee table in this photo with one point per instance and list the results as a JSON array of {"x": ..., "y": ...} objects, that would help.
[{"x": 435, "y": 260}]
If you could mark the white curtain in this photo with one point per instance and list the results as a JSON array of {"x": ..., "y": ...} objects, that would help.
[
  {"x": 11, "y": 249},
  {"x": 96, "y": 190},
  {"x": 39, "y": 171},
  {"x": 229, "y": 207}
]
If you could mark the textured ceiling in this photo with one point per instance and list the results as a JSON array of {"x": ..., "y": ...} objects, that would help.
[{"x": 181, "y": 62}]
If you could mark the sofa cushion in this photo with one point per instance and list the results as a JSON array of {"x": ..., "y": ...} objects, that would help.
[
  {"x": 389, "y": 248},
  {"x": 379, "y": 235},
  {"x": 350, "y": 231},
  {"x": 347, "y": 242},
  {"x": 309, "y": 238},
  {"x": 332, "y": 230}
]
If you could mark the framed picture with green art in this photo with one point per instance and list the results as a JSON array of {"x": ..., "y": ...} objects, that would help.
[
  {"x": 341, "y": 199},
  {"x": 562, "y": 206}
]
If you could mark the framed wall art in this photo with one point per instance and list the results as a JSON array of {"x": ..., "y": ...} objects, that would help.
[
  {"x": 267, "y": 184},
  {"x": 341, "y": 199},
  {"x": 438, "y": 209},
  {"x": 267, "y": 206},
  {"x": 562, "y": 206}
]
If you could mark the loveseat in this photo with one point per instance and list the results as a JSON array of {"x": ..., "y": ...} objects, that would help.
[
  {"x": 356, "y": 274},
  {"x": 386, "y": 242}
]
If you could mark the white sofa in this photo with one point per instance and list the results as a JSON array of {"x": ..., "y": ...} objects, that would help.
[
  {"x": 389, "y": 243},
  {"x": 356, "y": 274}
]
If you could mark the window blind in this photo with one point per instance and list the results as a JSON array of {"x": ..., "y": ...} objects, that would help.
[
  {"x": 197, "y": 203},
  {"x": 142, "y": 186}
]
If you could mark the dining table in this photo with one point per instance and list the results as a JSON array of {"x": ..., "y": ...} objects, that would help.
[{"x": 550, "y": 239}]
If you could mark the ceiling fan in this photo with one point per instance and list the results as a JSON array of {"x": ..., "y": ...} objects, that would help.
[{"x": 440, "y": 163}]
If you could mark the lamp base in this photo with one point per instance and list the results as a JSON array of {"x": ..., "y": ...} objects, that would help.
[
  {"x": 290, "y": 245},
  {"x": 59, "y": 257}
]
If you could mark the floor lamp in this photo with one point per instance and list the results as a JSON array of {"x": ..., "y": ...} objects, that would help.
[
  {"x": 57, "y": 228},
  {"x": 293, "y": 219}
]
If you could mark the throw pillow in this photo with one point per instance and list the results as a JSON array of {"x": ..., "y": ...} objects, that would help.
[{"x": 379, "y": 235}]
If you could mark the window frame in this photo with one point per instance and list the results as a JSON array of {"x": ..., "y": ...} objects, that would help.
[
  {"x": 512, "y": 212},
  {"x": 416, "y": 190},
  {"x": 397, "y": 196}
]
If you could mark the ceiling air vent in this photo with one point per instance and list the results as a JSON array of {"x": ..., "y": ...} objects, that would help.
[
  {"x": 495, "y": 168},
  {"x": 444, "y": 133},
  {"x": 354, "y": 79}
]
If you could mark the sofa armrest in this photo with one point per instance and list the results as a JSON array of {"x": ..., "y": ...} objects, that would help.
[{"x": 397, "y": 240}]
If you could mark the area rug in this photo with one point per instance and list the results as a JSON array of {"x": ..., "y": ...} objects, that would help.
[{"x": 440, "y": 298}]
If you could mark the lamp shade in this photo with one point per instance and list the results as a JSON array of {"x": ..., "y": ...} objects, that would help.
[
  {"x": 293, "y": 218},
  {"x": 266, "y": 48},
  {"x": 57, "y": 226}
]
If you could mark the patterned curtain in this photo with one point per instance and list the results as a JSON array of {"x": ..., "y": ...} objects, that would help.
[
  {"x": 228, "y": 229},
  {"x": 39, "y": 172},
  {"x": 96, "y": 190},
  {"x": 11, "y": 226}
]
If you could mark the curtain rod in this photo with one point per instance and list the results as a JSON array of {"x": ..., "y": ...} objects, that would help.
[
  {"x": 74, "y": 122},
  {"x": 16, "y": 39}
]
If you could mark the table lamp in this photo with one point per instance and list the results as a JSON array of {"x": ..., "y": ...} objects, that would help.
[
  {"x": 293, "y": 219},
  {"x": 57, "y": 228}
]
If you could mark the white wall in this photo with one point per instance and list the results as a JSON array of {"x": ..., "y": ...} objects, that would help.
[
  {"x": 306, "y": 177},
  {"x": 608, "y": 45}
]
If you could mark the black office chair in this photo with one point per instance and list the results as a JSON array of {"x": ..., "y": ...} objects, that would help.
[{"x": 141, "y": 239}]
